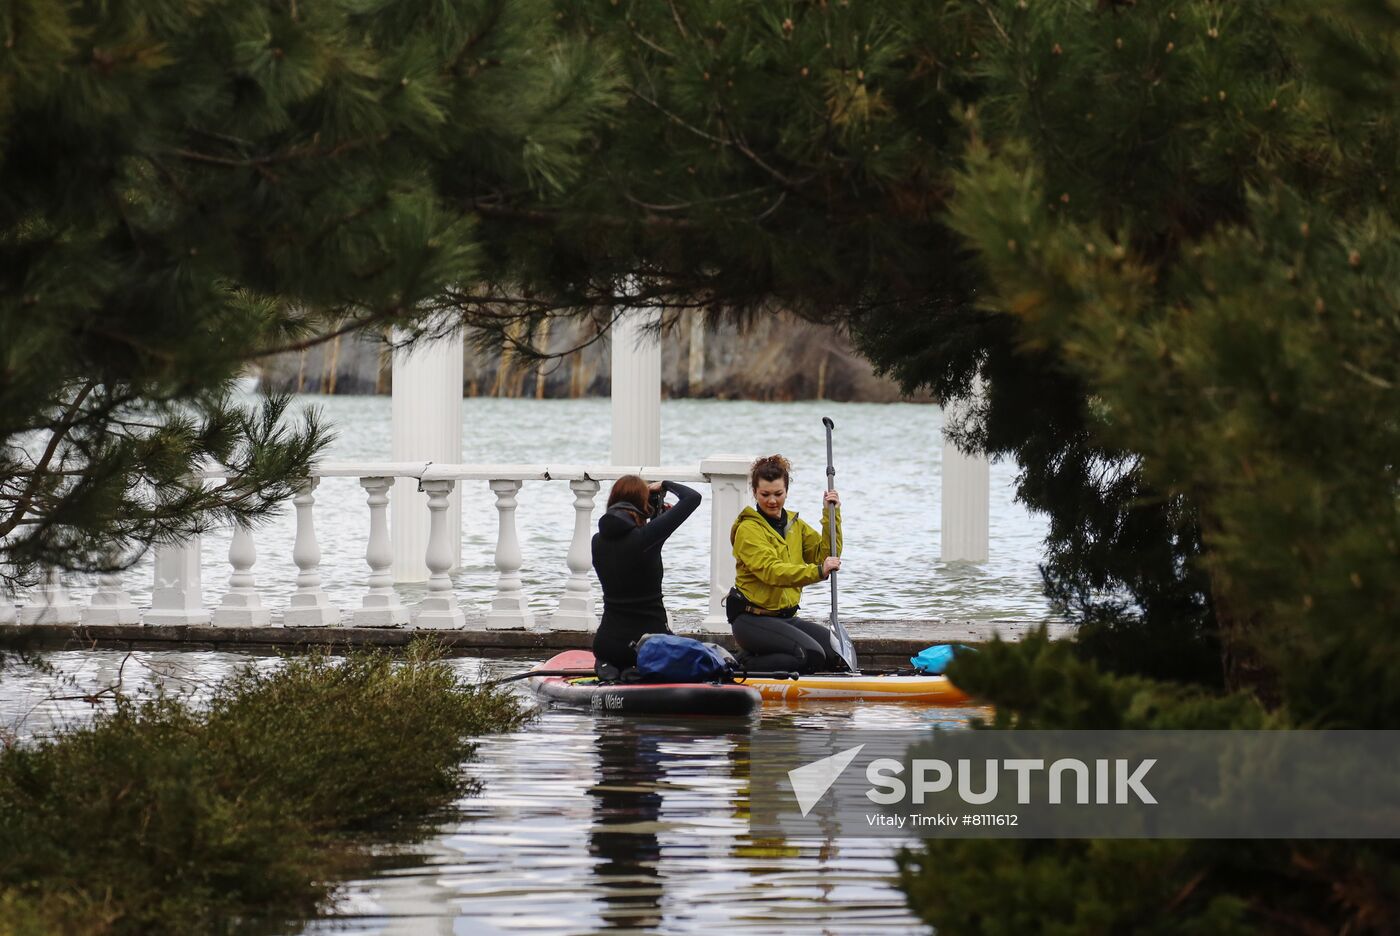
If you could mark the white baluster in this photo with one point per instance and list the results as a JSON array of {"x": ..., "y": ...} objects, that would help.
[
  {"x": 309, "y": 606},
  {"x": 51, "y": 604},
  {"x": 110, "y": 603},
  {"x": 576, "y": 611},
  {"x": 729, "y": 478},
  {"x": 439, "y": 609},
  {"x": 509, "y": 609},
  {"x": 380, "y": 606},
  {"x": 242, "y": 605},
  {"x": 176, "y": 598}
]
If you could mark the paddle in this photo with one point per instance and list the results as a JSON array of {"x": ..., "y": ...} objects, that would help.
[
  {"x": 843, "y": 639},
  {"x": 783, "y": 674}
]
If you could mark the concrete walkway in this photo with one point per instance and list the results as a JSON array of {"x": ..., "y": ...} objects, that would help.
[{"x": 879, "y": 643}]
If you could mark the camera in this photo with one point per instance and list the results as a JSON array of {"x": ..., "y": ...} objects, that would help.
[{"x": 656, "y": 502}]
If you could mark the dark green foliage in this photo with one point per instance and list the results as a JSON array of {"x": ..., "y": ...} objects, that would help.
[
  {"x": 163, "y": 818},
  {"x": 186, "y": 187}
]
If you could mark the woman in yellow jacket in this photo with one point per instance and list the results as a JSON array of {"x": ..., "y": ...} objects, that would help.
[{"x": 775, "y": 554}]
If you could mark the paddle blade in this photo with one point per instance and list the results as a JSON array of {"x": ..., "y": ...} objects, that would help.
[{"x": 841, "y": 642}]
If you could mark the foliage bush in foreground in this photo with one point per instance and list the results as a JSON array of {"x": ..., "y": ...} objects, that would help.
[{"x": 159, "y": 817}]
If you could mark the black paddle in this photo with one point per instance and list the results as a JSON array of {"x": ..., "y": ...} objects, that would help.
[
  {"x": 844, "y": 646},
  {"x": 588, "y": 672}
]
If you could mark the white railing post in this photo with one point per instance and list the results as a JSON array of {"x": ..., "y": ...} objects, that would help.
[
  {"x": 576, "y": 608},
  {"x": 439, "y": 609},
  {"x": 309, "y": 606},
  {"x": 380, "y": 607},
  {"x": 50, "y": 604},
  {"x": 509, "y": 609},
  {"x": 728, "y": 475},
  {"x": 110, "y": 603},
  {"x": 176, "y": 596},
  {"x": 242, "y": 605}
]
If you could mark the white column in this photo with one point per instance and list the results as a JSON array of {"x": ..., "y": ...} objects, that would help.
[
  {"x": 439, "y": 609},
  {"x": 427, "y": 426},
  {"x": 966, "y": 492},
  {"x": 309, "y": 606},
  {"x": 50, "y": 604},
  {"x": 576, "y": 608},
  {"x": 110, "y": 603},
  {"x": 380, "y": 606},
  {"x": 509, "y": 609},
  {"x": 242, "y": 605},
  {"x": 636, "y": 389},
  {"x": 8, "y": 613},
  {"x": 177, "y": 597},
  {"x": 729, "y": 489}
]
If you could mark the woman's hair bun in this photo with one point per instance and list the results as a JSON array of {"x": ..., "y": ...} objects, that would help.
[{"x": 770, "y": 468}]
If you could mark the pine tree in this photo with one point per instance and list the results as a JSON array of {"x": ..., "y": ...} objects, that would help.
[
  {"x": 1165, "y": 235},
  {"x": 185, "y": 187}
]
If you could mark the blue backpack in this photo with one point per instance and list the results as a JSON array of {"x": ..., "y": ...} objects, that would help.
[
  {"x": 932, "y": 661},
  {"x": 668, "y": 658}
]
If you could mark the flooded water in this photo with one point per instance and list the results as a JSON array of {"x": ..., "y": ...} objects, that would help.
[
  {"x": 584, "y": 824},
  {"x": 887, "y": 458}
]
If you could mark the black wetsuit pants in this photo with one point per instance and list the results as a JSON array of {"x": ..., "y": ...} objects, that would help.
[
  {"x": 786, "y": 644},
  {"x": 615, "y": 645}
]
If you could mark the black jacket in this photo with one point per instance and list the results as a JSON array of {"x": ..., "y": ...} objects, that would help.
[{"x": 627, "y": 558}]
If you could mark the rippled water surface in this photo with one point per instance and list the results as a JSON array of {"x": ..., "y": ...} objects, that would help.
[
  {"x": 887, "y": 459},
  {"x": 584, "y": 823}
]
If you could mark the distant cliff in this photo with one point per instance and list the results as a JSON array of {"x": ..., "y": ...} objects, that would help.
[{"x": 772, "y": 358}]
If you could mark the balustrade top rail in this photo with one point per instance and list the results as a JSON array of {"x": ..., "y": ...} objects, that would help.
[{"x": 439, "y": 471}]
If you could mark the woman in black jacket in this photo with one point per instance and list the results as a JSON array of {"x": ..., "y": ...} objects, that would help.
[{"x": 627, "y": 558}]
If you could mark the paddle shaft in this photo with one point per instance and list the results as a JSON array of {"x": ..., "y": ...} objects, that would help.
[
  {"x": 530, "y": 674},
  {"x": 848, "y": 649}
]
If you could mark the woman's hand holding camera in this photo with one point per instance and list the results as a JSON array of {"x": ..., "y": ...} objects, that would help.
[{"x": 656, "y": 499}]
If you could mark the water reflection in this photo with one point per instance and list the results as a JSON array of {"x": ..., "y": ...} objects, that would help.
[
  {"x": 623, "y": 835},
  {"x": 584, "y": 823}
]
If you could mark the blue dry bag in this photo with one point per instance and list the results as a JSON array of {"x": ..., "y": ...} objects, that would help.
[
  {"x": 932, "y": 661},
  {"x": 668, "y": 658}
]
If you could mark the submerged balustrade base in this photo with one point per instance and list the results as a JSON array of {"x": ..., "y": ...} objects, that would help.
[{"x": 898, "y": 640}]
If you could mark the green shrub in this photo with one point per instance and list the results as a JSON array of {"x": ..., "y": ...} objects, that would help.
[{"x": 161, "y": 818}]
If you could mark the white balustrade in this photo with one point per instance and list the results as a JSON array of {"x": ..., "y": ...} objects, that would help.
[
  {"x": 242, "y": 605},
  {"x": 177, "y": 597},
  {"x": 110, "y": 603},
  {"x": 576, "y": 608},
  {"x": 509, "y": 609},
  {"x": 50, "y": 604},
  {"x": 380, "y": 606},
  {"x": 439, "y": 609},
  {"x": 177, "y": 594},
  {"x": 309, "y": 606}
]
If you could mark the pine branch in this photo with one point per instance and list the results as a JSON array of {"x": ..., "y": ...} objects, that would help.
[{"x": 21, "y": 506}]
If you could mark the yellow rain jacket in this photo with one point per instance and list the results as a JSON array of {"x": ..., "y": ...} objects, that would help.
[{"x": 770, "y": 569}]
